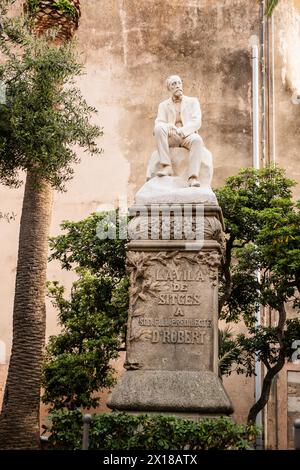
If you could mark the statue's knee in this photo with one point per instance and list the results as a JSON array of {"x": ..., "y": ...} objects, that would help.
[
  {"x": 200, "y": 140},
  {"x": 197, "y": 141}
]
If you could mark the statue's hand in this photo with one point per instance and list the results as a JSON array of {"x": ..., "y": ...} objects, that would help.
[
  {"x": 174, "y": 138},
  {"x": 179, "y": 132},
  {"x": 172, "y": 130}
]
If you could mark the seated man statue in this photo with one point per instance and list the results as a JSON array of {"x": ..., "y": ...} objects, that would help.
[{"x": 176, "y": 125}]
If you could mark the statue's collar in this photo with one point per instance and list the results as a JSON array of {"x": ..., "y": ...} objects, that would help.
[{"x": 171, "y": 102}]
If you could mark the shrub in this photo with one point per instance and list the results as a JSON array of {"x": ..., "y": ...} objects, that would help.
[{"x": 123, "y": 431}]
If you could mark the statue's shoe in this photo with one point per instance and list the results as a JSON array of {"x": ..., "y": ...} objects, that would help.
[
  {"x": 166, "y": 171},
  {"x": 193, "y": 182}
]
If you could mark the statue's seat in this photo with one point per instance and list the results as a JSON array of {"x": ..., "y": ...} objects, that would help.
[{"x": 180, "y": 161}]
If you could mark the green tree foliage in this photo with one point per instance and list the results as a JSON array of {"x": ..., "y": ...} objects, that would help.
[
  {"x": 123, "y": 431},
  {"x": 262, "y": 228},
  {"x": 92, "y": 319},
  {"x": 45, "y": 115}
]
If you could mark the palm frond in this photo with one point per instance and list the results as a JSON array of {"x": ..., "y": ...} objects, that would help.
[
  {"x": 228, "y": 351},
  {"x": 270, "y": 7},
  {"x": 227, "y": 361}
]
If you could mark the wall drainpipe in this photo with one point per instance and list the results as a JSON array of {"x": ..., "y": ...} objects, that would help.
[{"x": 255, "y": 164}]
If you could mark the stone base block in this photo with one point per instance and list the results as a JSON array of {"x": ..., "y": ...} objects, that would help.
[
  {"x": 197, "y": 392},
  {"x": 173, "y": 190}
]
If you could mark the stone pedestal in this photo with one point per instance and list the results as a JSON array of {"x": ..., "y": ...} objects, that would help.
[{"x": 172, "y": 336}]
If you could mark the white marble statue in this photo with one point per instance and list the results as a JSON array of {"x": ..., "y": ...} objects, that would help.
[{"x": 177, "y": 124}]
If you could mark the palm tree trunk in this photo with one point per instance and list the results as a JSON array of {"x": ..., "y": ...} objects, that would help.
[{"x": 19, "y": 420}]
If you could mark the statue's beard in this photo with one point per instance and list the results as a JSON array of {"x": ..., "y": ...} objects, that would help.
[{"x": 178, "y": 93}]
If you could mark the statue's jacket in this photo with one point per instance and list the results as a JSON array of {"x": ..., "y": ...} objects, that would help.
[{"x": 190, "y": 114}]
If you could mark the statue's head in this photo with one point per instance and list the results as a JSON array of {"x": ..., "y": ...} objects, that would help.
[{"x": 174, "y": 85}]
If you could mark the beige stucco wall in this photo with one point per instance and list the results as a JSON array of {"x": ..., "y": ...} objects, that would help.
[
  {"x": 129, "y": 47},
  {"x": 287, "y": 83}
]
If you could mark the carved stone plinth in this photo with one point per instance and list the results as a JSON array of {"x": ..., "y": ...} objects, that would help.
[{"x": 172, "y": 335}]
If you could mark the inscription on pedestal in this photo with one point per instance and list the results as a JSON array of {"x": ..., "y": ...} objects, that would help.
[
  {"x": 180, "y": 336},
  {"x": 171, "y": 313}
]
